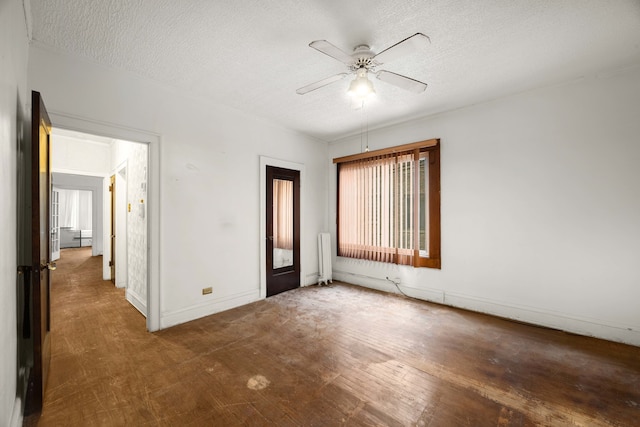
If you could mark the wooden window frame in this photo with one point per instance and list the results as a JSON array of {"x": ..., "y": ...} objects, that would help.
[{"x": 432, "y": 148}]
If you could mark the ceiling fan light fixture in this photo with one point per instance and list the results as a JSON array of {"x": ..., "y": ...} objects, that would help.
[{"x": 361, "y": 87}]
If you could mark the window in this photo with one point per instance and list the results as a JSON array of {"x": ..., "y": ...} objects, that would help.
[{"x": 389, "y": 205}]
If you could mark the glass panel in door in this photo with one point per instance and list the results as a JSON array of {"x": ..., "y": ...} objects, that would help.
[{"x": 282, "y": 223}]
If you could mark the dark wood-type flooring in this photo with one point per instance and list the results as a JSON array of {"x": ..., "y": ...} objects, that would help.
[{"x": 322, "y": 356}]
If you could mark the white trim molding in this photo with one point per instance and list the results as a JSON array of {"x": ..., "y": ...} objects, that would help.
[
  {"x": 137, "y": 301},
  {"x": 565, "y": 322},
  {"x": 596, "y": 328},
  {"x": 208, "y": 308},
  {"x": 16, "y": 416}
]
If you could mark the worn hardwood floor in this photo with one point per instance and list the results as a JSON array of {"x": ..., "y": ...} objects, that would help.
[{"x": 323, "y": 356}]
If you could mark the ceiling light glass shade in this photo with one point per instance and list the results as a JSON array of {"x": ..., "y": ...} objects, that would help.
[{"x": 361, "y": 87}]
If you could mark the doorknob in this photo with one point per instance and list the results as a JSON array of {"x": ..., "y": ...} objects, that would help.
[{"x": 50, "y": 265}]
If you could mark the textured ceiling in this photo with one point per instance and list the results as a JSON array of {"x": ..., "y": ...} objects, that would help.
[{"x": 252, "y": 55}]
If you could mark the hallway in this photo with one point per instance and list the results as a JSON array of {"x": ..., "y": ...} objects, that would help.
[{"x": 322, "y": 356}]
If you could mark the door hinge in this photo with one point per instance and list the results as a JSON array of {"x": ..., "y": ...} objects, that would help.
[
  {"x": 111, "y": 187},
  {"x": 22, "y": 269},
  {"x": 110, "y": 263}
]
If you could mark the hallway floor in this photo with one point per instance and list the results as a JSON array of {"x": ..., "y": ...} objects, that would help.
[{"x": 322, "y": 356}]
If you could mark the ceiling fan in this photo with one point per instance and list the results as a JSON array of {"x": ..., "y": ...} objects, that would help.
[{"x": 363, "y": 61}]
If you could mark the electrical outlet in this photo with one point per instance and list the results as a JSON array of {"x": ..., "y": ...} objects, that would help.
[{"x": 206, "y": 291}]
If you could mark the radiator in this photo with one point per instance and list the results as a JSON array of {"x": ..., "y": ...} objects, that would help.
[{"x": 324, "y": 255}]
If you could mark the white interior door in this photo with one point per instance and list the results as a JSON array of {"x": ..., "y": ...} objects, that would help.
[{"x": 55, "y": 224}]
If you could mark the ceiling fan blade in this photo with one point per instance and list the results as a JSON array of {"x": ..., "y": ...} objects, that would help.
[
  {"x": 401, "y": 81},
  {"x": 321, "y": 83},
  {"x": 402, "y": 48},
  {"x": 332, "y": 51}
]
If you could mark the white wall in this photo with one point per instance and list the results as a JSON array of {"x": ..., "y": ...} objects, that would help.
[
  {"x": 13, "y": 98},
  {"x": 540, "y": 208},
  {"x": 120, "y": 209},
  {"x": 136, "y": 223},
  {"x": 209, "y": 178},
  {"x": 79, "y": 156}
]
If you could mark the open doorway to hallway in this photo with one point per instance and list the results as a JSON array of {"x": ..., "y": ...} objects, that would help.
[{"x": 118, "y": 232}]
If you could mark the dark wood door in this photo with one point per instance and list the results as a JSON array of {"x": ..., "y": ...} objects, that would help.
[
  {"x": 283, "y": 230},
  {"x": 40, "y": 254}
]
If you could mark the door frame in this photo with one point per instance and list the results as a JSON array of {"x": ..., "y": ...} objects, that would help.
[
  {"x": 79, "y": 124},
  {"x": 284, "y": 278},
  {"x": 269, "y": 161},
  {"x": 96, "y": 216}
]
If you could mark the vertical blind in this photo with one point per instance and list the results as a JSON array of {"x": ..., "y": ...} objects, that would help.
[
  {"x": 389, "y": 205},
  {"x": 376, "y": 208}
]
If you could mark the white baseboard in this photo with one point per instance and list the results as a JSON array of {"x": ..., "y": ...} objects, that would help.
[
  {"x": 433, "y": 295},
  {"x": 137, "y": 301},
  {"x": 311, "y": 279},
  {"x": 212, "y": 306},
  {"x": 538, "y": 316},
  {"x": 16, "y": 416},
  {"x": 366, "y": 281}
]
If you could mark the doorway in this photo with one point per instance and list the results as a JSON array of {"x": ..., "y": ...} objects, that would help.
[
  {"x": 283, "y": 230},
  {"x": 85, "y": 161},
  {"x": 103, "y": 131},
  {"x": 72, "y": 212}
]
